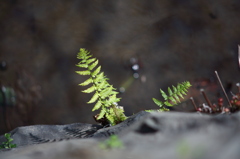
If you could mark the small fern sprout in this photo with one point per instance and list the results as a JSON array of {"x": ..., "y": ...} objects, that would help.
[
  {"x": 105, "y": 94},
  {"x": 112, "y": 142},
  {"x": 173, "y": 96},
  {"x": 7, "y": 144}
]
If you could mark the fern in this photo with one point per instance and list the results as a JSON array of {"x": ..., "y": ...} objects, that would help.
[
  {"x": 7, "y": 144},
  {"x": 173, "y": 97},
  {"x": 105, "y": 94}
]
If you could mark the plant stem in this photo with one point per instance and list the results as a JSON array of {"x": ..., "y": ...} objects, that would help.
[
  {"x": 193, "y": 102},
  {"x": 206, "y": 98},
  {"x": 239, "y": 55},
  {"x": 238, "y": 85},
  {"x": 219, "y": 80}
]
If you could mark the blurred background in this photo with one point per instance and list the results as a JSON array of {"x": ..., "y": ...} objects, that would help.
[{"x": 142, "y": 45}]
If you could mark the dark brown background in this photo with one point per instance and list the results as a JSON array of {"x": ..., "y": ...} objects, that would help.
[{"x": 174, "y": 41}]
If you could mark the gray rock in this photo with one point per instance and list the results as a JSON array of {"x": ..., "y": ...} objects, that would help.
[
  {"x": 106, "y": 132},
  {"x": 37, "y": 134},
  {"x": 155, "y": 135},
  {"x": 184, "y": 135}
]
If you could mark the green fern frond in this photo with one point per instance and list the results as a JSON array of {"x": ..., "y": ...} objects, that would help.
[
  {"x": 118, "y": 114},
  {"x": 102, "y": 114},
  {"x": 111, "y": 118},
  {"x": 159, "y": 103},
  {"x": 89, "y": 61},
  {"x": 173, "y": 97},
  {"x": 97, "y": 105},
  {"x": 99, "y": 77},
  {"x": 86, "y": 72},
  {"x": 94, "y": 98},
  {"x": 87, "y": 82},
  {"x": 93, "y": 65},
  {"x": 105, "y": 94},
  {"x": 90, "y": 89},
  {"x": 94, "y": 73},
  {"x": 82, "y": 65}
]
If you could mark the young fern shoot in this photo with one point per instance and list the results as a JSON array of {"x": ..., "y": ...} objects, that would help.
[
  {"x": 105, "y": 95},
  {"x": 173, "y": 97},
  {"x": 7, "y": 144}
]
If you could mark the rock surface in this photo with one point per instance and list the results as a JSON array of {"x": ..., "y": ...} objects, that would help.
[
  {"x": 36, "y": 134},
  {"x": 156, "y": 135}
]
